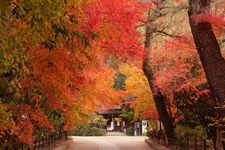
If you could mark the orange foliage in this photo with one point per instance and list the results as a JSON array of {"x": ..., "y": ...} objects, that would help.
[
  {"x": 66, "y": 78},
  {"x": 26, "y": 120},
  {"x": 150, "y": 114},
  {"x": 98, "y": 92}
]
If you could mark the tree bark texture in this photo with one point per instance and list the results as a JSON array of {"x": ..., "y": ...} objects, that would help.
[
  {"x": 159, "y": 99},
  {"x": 210, "y": 55}
]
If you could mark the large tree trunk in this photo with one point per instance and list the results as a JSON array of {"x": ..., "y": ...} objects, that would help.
[
  {"x": 210, "y": 55},
  {"x": 159, "y": 99}
]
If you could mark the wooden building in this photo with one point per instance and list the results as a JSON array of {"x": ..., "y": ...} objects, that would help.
[{"x": 115, "y": 122}]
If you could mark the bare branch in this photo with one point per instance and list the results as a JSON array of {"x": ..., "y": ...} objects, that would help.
[{"x": 168, "y": 34}]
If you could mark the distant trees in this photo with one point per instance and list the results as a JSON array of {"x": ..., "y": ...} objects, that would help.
[
  {"x": 119, "y": 81},
  {"x": 137, "y": 93}
]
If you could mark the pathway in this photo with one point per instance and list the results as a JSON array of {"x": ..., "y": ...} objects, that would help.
[{"x": 111, "y": 142}]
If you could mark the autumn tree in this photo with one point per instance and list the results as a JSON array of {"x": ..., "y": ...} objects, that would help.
[
  {"x": 210, "y": 54},
  {"x": 137, "y": 87},
  {"x": 119, "y": 83},
  {"x": 168, "y": 74},
  {"x": 40, "y": 72},
  {"x": 159, "y": 99},
  {"x": 47, "y": 49},
  {"x": 22, "y": 29}
]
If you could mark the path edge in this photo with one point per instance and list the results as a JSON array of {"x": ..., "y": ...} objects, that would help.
[{"x": 156, "y": 146}]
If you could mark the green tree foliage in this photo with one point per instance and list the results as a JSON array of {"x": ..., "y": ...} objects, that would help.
[
  {"x": 119, "y": 81},
  {"x": 191, "y": 132},
  {"x": 24, "y": 27},
  {"x": 197, "y": 108},
  {"x": 127, "y": 113},
  {"x": 96, "y": 127}
]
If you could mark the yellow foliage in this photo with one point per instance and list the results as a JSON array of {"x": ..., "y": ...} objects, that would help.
[{"x": 137, "y": 85}]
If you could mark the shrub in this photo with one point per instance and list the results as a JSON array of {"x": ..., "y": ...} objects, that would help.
[
  {"x": 87, "y": 130},
  {"x": 130, "y": 131},
  {"x": 94, "y": 131},
  {"x": 95, "y": 127},
  {"x": 98, "y": 121},
  {"x": 185, "y": 131}
]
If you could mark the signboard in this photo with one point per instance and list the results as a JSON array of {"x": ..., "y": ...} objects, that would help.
[{"x": 144, "y": 127}]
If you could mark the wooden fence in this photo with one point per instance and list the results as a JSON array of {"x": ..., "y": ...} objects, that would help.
[
  {"x": 45, "y": 142},
  {"x": 188, "y": 143}
]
